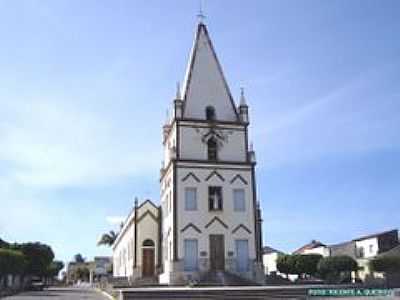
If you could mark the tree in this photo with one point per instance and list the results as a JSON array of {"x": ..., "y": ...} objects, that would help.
[
  {"x": 79, "y": 258},
  {"x": 332, "y": 269},
  {"x": 4, "y": 244},
  {"x": 307, "y": 264},
  {"x": 12, "y": 262},
  {"x": 298, "y": 264},
  {"x": 386, "y": 264},
  {"x": 107, "y": 238},
  {"x": 286, "y": 264},
  {"x": 38, "y": 257},
  {"x": 54, "y": 268}
]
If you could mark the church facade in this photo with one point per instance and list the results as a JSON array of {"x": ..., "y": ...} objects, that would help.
[{"x": 209, "y": 220}]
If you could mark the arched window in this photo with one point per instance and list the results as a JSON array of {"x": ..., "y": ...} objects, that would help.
[
  {"x": 210, "y": 113},
  {"x": 148, "y": 243},
  {"x": 212, "y": 149}
]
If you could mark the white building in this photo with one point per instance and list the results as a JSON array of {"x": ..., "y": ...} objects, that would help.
[
  {"x": 270, "y": 258},
  {"x": 210, "y": 219},
  {"x": 136, "y": 251},
  {"x": 314, "y": 247}
]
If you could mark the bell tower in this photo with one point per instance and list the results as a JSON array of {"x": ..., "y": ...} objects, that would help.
[{"x": 211, "y": 221}]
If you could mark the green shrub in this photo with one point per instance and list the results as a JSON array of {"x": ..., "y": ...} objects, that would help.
[
  {"x": 333, "y": 268},
  {"x": 298, "y": 264},
  {"x": 307, "y": 264},
  {"x": 11, "y": 262},
  {"x": 386, "y": 264}
]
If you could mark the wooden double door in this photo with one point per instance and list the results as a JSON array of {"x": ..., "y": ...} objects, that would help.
[
  {"x": 217, "y": 252},
  {"x": 148, "y": 262}
]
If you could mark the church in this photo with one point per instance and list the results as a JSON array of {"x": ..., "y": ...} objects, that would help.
[{"x": 209, "y": 219}]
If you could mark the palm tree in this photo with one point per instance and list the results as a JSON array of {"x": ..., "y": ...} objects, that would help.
[
  {"x": 107, "y": 238},
  {"x": 78, "y": 258}
]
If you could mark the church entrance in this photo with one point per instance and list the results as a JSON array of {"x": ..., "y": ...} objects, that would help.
[
  {"x": 217, "y": 252},
  {"x": 148, "y": 258}
]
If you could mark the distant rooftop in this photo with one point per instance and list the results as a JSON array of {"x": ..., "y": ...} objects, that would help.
[
  {"x": 393, "y": 231},
  {"x": 313, "y": 244},
  {"x": 269, "y": 250}
]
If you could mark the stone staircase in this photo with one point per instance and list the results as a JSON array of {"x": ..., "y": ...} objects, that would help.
[
  {"x": 214, "y": 293},
  {"x": 221, "y": 278},
  {"x": 146, "y": 281},
  {"x": 119, "y": 282}
]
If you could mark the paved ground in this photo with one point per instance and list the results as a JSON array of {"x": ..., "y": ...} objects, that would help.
[{"x": 60, "y": 294}]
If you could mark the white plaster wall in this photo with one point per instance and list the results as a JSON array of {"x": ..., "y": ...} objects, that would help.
[
  {"x": 171, "y": 142},
  {"x": 192, "y": 146},
  {"x": 324, "y": 251},
  {"x": 269, "y": 262},
  {"x": 207, "y": 86},
  {"x": 202, "y": 216},
  {"x": 167, "y": 225},
  {"x": 124, "y": 250},
  {"x": 147, "y": 229},
  {"x": 123, "y": 263},
  {"x": 366, "y": 245}
]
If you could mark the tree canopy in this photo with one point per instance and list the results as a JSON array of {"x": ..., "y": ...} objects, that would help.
[
  {"x": 11, "y": 262},
  {"x": 34, "y": 259},
  {"x": 78, "y": 258},
  {"x": 333, "y": 267},
  {"x": 107, "y": 239},
  {"x": 387, "y": 264},
  {"x": 38, "y": 257},
  {"x": 54, "y": 268},
  {"x": 298, "y": 264}
]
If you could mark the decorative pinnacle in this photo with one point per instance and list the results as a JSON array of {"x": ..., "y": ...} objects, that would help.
[
  {"x": 178, "y": 90},
  {"x": 136, "y": 201},
  {"x": 200, "y": 16},
  {"x": 242, "y": 98},
  {"x": 167, "y": 116}
]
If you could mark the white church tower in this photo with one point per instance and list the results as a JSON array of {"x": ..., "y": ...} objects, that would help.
[{"x": 211, "y": 221}]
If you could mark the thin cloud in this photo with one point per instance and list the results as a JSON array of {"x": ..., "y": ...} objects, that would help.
[
  {"x": 340, "y": 122},
  {"x": 53, "y": 144}
]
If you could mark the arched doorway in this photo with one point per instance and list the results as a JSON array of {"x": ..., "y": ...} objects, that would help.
[{"x": 148, "y": 259}]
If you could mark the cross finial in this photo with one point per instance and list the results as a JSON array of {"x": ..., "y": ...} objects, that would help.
[{"x": 200, "y": 15}]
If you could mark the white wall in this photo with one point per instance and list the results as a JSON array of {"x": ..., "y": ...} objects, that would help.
[
  {"x": 231, "y": 149},
  {"x": 324, "y": 251},
  {"x": 124, "y": 250},
  {"x": 269, "y": 262},
  {"x": 202, "y": 215},
  {"x": 368, "y": 245}
]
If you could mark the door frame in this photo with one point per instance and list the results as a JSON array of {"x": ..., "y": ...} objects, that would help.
[
  {"x": 154, "y": 261},
  {"x": 217, "y": 263}
]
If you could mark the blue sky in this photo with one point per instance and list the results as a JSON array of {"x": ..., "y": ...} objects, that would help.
[{"x": 79, "y": 78}]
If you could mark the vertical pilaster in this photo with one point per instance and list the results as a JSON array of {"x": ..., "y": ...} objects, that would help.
[{"x": 135, "y": 233}]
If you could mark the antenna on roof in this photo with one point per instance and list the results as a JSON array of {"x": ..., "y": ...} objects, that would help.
[{"x": 200, "y": 16}]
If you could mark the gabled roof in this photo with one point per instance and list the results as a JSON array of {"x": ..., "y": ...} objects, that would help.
[
  {"x": 205, "y": 84},
  {"x": 129, "y": 219},
  {"x": 370, "y": 236},
  {"x": 269, "y": 250},
  {"x": 313, "y": 244}
]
